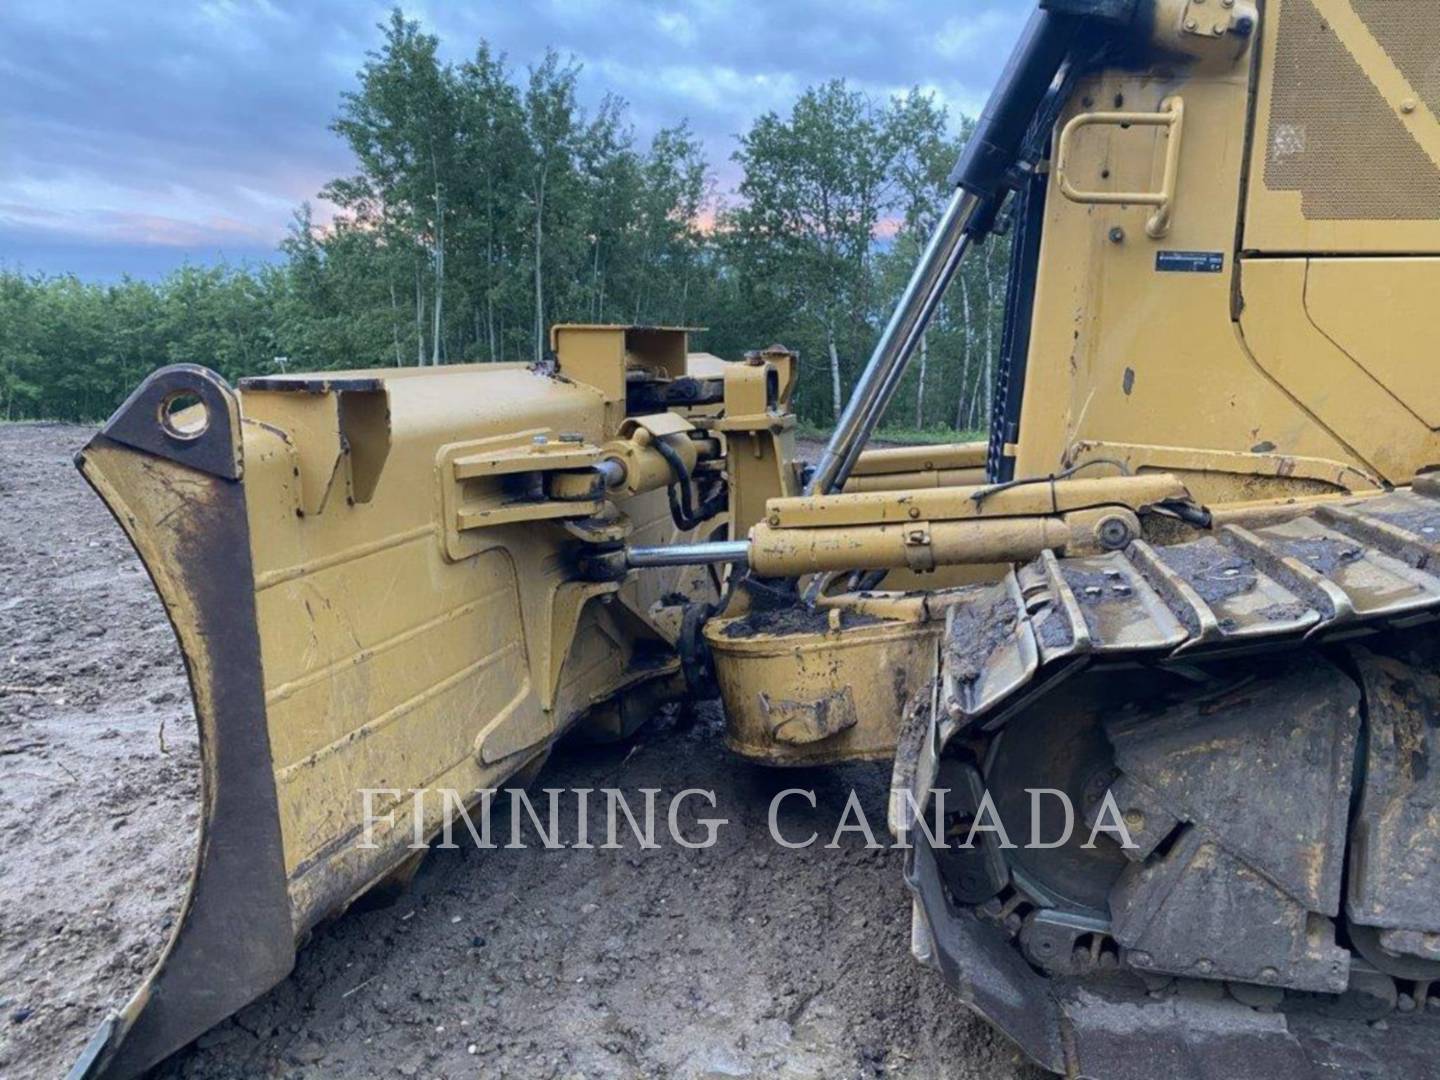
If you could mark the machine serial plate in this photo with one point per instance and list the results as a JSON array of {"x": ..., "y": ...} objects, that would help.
[{"x": 1190, "y": 262}]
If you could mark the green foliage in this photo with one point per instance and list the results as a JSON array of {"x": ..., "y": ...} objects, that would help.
[
  {"x": 898, "y": 434},
  {"x": 486, "y": 204},
  {"x": 69, "y": 350},
  {"x": 801, "y": 238}
]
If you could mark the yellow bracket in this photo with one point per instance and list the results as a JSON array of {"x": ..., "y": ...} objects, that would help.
[{"x": 1171, "y": 117}]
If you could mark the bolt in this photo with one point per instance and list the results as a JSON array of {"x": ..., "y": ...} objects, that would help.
[
  {"x": 1134, "y": 819},
  {"x": 571, "y": 437},
  {"x": 1117, "y": 235},
  {"x": 1191, "y": 24},
  {"x": 1227, "y": 3},
  {"x": 774, "y": 521},
  {"x": 1205, "y": 967},
  {"x": 1113, "y": 534},
  {"x": 1269, "y": 974},
  {"x": 914, "y": 511},
  {"x": 1218, "y": 30},
  {"x": 1407, "y": 106},
  {"x": 1141, "y": 959}
]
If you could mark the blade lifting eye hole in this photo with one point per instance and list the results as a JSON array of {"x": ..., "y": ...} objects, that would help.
[{"x": 184, "y": 416}]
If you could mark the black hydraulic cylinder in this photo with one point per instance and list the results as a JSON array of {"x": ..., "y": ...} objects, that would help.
[{"x": 985, "y": 167}]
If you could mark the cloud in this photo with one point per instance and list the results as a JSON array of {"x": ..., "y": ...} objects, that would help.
[
  {"x": 185, "y": 129},
  {"x": 968, "y": 37},
  {"x": 677, "y": 26}
]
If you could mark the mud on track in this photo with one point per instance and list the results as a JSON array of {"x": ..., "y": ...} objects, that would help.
[{"x": 740, "y": 960}]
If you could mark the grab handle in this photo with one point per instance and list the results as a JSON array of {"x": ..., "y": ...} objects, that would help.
[{"x": 1171, "y": 117}]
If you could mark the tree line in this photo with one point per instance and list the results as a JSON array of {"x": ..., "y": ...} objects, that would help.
[{"x": 486, "y": 204}]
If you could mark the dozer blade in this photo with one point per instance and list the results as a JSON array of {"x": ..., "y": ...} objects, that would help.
[{"x": 361, "y": 608}]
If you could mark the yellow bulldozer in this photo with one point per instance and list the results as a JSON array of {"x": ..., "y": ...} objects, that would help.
[{"x": 1190, "y": 582}]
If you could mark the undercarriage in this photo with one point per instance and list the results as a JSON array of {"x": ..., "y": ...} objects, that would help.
[{"x": 1263, "y": 709}]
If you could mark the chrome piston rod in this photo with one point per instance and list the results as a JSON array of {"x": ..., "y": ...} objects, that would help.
[
  {"x": 722, "y": 551},
  {"x": 882, "y": 375},
  {"x": 872, "y": 394}
]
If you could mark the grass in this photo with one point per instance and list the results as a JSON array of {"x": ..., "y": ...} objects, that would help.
[{"x": 904, "y": 436}]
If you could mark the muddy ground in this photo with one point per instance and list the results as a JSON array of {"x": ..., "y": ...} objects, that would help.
[{"x": 741, "y": 960}]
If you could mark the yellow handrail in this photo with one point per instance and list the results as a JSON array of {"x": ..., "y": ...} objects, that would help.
[{"x": 1171, "y": 117}]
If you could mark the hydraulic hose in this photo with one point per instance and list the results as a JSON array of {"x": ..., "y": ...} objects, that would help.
[{"x": 683, "y": 511}]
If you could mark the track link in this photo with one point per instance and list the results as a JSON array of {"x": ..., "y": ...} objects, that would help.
[{"x": 1318, "y": 619}]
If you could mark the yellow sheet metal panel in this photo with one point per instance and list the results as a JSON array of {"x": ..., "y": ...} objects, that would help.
[
  {"x": 1386, "y": 436},
  {"x": 1133, "y": 339},
  {"x": 1385, "y": 315},
  {"x": 311, "y": 422},
  {"x": 391, "y": 657},
  {"x": 427, "y": 411},
  {"x": 599, "y": 356},
  {"x": 348, "y": 659},
  {"x": 761, "y": 466},
  {"x": 1346, "y": 153}
]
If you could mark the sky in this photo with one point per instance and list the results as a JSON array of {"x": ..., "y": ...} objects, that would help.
[{"x": 138, "y": 136}]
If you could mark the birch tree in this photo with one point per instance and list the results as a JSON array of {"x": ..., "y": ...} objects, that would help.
[{"x": 810, "y": 201}]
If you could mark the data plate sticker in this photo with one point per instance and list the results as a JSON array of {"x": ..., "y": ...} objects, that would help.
[{"x": 1190, "y": 262}]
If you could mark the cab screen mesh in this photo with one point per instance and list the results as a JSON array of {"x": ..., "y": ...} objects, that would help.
[{"x": 1333, "y": 137}]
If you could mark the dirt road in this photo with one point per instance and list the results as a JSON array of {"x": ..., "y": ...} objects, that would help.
[{"x": 740, "y": 960}]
